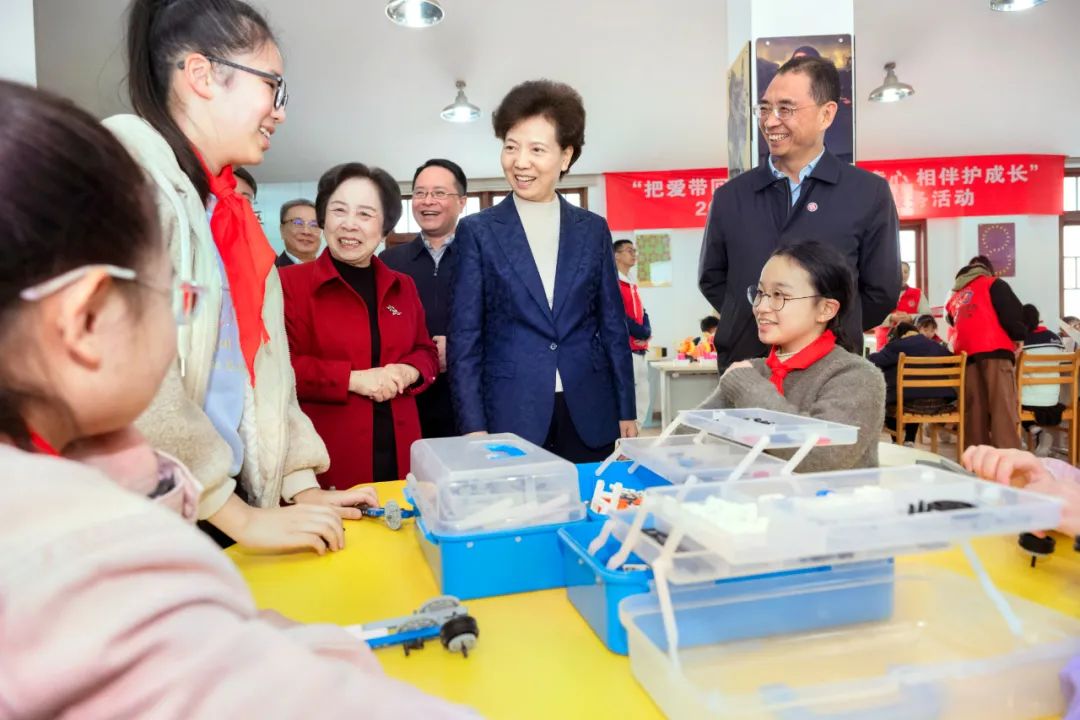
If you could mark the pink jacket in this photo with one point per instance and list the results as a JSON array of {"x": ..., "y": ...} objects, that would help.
[{"x": 112, "y": 606}]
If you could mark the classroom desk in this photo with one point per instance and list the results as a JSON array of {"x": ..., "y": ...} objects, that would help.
[
  {"x": 684, "y": 385},
  {"x": 536, "y": 657}
]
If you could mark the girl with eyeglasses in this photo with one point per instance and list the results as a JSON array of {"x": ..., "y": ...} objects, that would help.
[
  {"x": 205, "y": 77},
  {"x": 800, "y": 304},
  {"x": 111, "y": 605}
]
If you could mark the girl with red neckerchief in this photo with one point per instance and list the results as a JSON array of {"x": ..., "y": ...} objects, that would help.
[{"x": 800, "y": 303}]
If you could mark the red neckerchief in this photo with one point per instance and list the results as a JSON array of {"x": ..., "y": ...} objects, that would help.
[
  {"x": 248, "y": 259},
  {"x": 1040, "y": 328},
  {"x": 800, "y": 360},
  {"x": 42, "y": 445}
]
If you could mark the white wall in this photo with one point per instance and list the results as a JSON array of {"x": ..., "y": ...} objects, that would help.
[
  {"x": 17, "y": 59},
  {"x": 952, "y": 242}
]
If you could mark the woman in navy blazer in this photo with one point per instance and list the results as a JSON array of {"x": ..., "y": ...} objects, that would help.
[{"x": 538, "y": 343}]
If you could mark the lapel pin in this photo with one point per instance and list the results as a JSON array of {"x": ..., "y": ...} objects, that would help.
[{"x": 812, "y": 207}]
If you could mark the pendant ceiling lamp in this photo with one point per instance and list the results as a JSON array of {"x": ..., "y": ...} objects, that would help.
[
  {"x": 892, "y": 90},
  {"x": 461, "y": 110},
  {"x": 415, "y": 13}
]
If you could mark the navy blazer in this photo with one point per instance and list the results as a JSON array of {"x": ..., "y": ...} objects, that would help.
[
  {"x": 839, "y": 204},
  {"x": 433, "y": 282},
  {"x": 505, "y": 342},
  {"x": 888, "y": 359}
]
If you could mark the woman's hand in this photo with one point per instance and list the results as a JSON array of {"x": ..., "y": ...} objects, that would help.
[
  {"x": 1017, "y": 467},
  {"x": 628, "y": 428},
  {"x": 404, "y": 375},
  {"x": 376, "y": 384},
  {"x": 346, "y": 503}
]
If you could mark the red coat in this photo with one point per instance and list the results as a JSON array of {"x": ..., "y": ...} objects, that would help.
[{"x": 329, "y": 337}]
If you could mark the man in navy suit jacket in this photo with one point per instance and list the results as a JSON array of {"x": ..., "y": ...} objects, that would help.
[{"x": 506, "y": 342}]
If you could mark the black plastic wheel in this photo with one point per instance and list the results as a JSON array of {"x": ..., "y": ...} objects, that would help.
[
  {"x": 1037, "y": 546},
  {"x": 459, "y": 634}
]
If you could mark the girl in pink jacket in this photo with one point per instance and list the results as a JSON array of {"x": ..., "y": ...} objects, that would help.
[{"x": 111, "y": 605}]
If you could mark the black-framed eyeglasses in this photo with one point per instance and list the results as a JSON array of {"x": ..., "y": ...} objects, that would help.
[
  {"x": 437, "y": 194},
  {"x": 300, "y": 224},
  {"x": 777, "y": 299},
  {"x": 281, "y": 92}
]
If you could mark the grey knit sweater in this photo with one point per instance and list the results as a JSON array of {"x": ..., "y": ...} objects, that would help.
[{"x": 840, "y": 387}]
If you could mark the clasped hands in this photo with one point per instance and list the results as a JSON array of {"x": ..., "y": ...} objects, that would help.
[{"x": 383, "y": 383}]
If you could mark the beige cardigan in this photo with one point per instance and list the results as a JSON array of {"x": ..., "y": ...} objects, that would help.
[{"x": 282, "y": 451}]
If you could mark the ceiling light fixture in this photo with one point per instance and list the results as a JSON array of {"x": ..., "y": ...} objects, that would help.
[
  {"x": 461, "y": 110},
  {"x": 1014, "y": 5},
  {"x": 892, "y": 89},
  {"x": 415, "y": 13}
]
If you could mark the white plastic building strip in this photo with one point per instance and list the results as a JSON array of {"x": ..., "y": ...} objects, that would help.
[
  {"x": 995, "y": 595},
  {"x": 802, "y": 452},
  {"x": 750, "y": 457}
]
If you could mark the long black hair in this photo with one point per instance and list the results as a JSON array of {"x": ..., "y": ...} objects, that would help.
[
  {"x": 831, "y": 278},
  {"x": 159, "y": 33},
  {"x": 70, "y": 195}
]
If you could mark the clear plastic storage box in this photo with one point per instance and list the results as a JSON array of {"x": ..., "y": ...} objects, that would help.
[
  {"x": 470, "y": 485},
  {"x": 729, "y": 529},
  {"x": 748, "y": 426},
  {"x": 942, "y": 652},
  {"x": 677, "y": 457}
]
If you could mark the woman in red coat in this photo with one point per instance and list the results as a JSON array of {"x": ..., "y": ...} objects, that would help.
[{"x": 359, "y": 344}]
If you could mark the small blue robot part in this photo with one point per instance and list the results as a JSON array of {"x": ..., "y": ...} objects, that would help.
[
  {"x": 391, "y": 513},
  {"x": 443, "y": 617}
]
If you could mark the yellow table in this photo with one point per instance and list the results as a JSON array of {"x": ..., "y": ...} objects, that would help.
[{"x": 536, "y": 657}]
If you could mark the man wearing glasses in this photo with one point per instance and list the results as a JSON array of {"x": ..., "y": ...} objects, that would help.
[
  {"x": 438, "y": 199},
  {"x": 801, "y": 192},
  {"x": 299, "y": 232}
]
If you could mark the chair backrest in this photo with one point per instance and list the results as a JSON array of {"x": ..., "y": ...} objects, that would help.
[
  {"x": 930, "y": 372},
  {"x": 1047, "y": 371}
]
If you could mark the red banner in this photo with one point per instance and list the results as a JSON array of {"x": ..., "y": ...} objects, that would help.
[
  {"x": 976, "y": 185},
  {"x": 663, "y": 199}
]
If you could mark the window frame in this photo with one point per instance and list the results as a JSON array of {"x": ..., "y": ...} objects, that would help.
[{"x": 1068, "y": 218}]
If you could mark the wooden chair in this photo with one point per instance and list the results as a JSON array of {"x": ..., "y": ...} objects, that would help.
[
  {"x": 931, "y": 372},
  {"x": 1060, "y": 369}
]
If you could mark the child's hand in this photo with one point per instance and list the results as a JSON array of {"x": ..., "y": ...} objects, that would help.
[
  {"x": 347, "y": 503},
  {"x": 1017, "y": 467},
  {"x": 738, "y": 365}
]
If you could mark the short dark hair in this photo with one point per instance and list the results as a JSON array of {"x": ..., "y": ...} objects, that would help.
[
  {"x": 557, "y": 102},
  {"x": 298, "y": 202},
  {"x": 900, "y": 330},
  {"x": 709, "y": 323},
  {"x": 1030, "y": 315},
  {"x": 617, "y": 245},
  {"x": 459, "y": 175},
  {"x": 983, "y": 261},
  {"x": 831, "y": 278},
  {"x": 247, "y": 177},
  {"x": 387, "y": 187},
  {"x": 925, "y": 321},
  {"x": 824, "y": 78}
]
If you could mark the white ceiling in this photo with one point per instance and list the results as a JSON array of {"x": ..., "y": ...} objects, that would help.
[{"x": 652, "y": 78}]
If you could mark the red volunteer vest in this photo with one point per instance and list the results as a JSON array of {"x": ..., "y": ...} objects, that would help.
[
  {"x": 909, "y": 303},
  {"x": 977, "y": 327},
  {"x": 634, "y": 310}
]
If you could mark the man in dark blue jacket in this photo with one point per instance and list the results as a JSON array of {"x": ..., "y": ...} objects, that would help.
[
  {"x": 802, "y": 192},
  {"x": 438, "y": 199}
]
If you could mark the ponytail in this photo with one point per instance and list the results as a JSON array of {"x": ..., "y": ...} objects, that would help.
[{"x": 159, "y": 33}]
